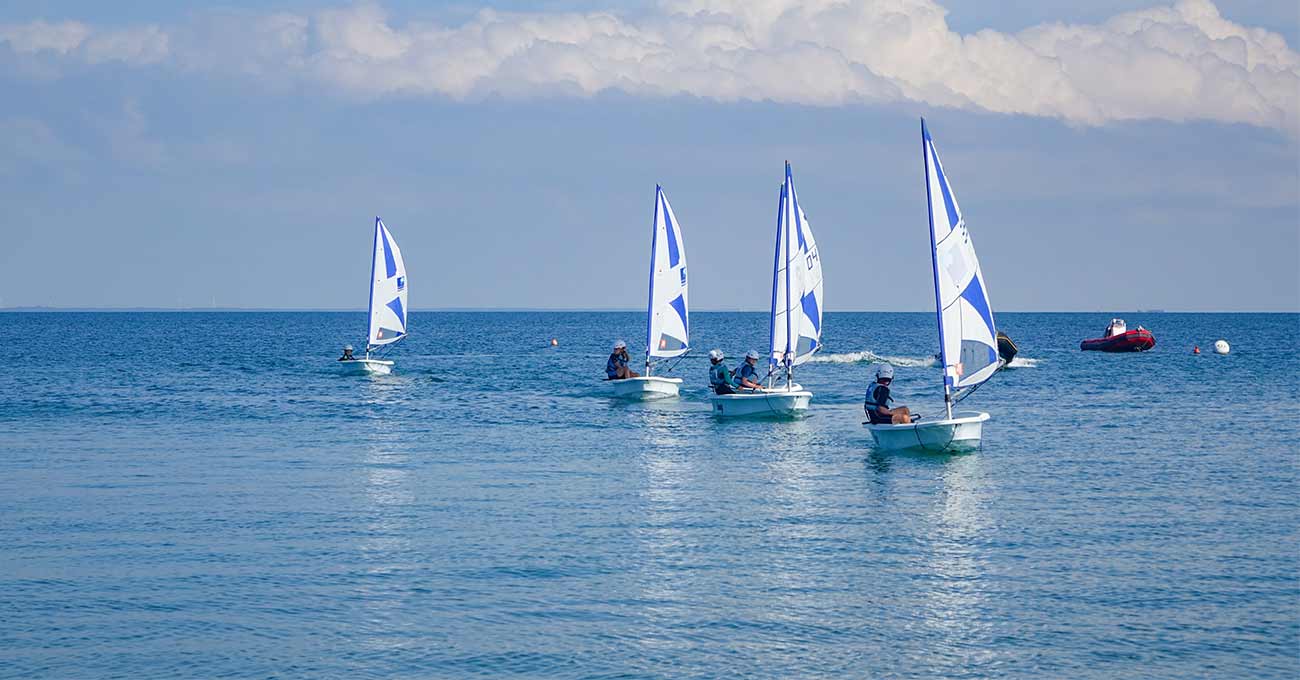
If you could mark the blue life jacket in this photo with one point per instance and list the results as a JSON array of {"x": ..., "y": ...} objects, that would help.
[
  {"x": 719, "y": 375},
  {"x": 746, "y": 371},
  {"x": 611, "y": 366},
  {"x": 871, "y": 402}
]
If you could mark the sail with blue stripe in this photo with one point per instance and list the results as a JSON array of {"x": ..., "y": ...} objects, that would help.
[
  {"x": 388, "y": 306},
  {"x": 668, "y": 320},
  {"x": 967, "y": 335},
  {"x": 796, "y": 321}
]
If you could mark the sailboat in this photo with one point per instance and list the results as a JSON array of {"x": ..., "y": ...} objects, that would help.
[
  {"x": 968, "y": 345},
  {"x": 387, "y": 311},
  {"x": 795, "y": 324},
  {"x": 667, "y": 318}
]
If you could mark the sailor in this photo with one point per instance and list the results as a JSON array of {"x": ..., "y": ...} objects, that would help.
[
  {"x": 616, "y": 368},
  {"x": 347, "y": 354},
  {"x": 721, "y": 378},
  {"x": 877, "y": 402},
  {"x": 747, "y": 374}
]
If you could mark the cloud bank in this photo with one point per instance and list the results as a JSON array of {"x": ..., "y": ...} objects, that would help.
[{"x": 1171, "y": 62}]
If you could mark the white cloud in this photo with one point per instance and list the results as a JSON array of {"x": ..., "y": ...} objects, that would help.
[
  {"x": 40, "y": 36},
  {"x": 1174, "y": 62},
  {"x": 135, "y": 45}
]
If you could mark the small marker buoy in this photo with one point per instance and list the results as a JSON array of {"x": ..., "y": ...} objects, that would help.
[
  {"x": 555, "y": 343},
  {"x": 1196, "y": 350},
  {"x": 1221, "y": 347}
]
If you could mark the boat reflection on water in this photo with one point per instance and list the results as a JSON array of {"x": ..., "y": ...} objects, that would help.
[
  {"x": 386, "y": 492},
  {"x": 956, "y": 609},
  {"x": 669, "y": 505},
  {"x": 946, "y": 586}
]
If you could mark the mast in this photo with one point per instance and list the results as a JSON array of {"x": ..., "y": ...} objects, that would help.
[
  {"x": 776, "y": 268},
  {"x": 650, "y": 304},
  {"x": 934, "y": 262},
  {"x": 370, "y": 303},
  {"x": 789, "y": 325}
]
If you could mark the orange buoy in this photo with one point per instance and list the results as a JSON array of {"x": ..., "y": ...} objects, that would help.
[{"x": 1196, "y": 350}]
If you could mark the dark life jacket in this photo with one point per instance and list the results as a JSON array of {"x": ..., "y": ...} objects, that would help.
[
  {"x": 871, "y": 402},
  {"x": 615, "y": 362}
]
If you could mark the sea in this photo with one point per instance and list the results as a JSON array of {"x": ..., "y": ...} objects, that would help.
[{"x": 203, "y": 495}]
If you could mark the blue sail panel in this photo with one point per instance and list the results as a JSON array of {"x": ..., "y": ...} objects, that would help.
[
  {"x": 974, "y": 294},
  {"x": 390, "y": 264},
  {"x": 674, "y": 254},
  {"x": 948, "y": 202},
  {"x": 396, "y": 305},
  {"x": 679, "y": 305},
  {"x": 809, "y": 304}
]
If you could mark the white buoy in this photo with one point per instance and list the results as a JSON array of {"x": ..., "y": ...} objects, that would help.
[{"x": 1221, "y": 347}]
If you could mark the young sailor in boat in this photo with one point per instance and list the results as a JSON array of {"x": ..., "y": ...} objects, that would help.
[
  {"x": 877, "y": 401},
  {"x": 721, "y": 378},
  {"x": 747, "y": 375},
  {"x": 347, "y": 354},
  {"x": 616, "y": 368}
]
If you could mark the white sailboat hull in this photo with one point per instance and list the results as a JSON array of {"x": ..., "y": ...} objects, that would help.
[
  {"x": 960, "y": 433},
  {"x": 366, "y": 367},
  {"x": 776, "y": 403},
  {"x": 646, "y": 388}
]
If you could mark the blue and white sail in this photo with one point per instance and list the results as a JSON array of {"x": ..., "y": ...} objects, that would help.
[
  {"x": 967, "y": 336},
  {"x": 387, "y": 290},
  {"x": 668, "y": 322},
  {"x": 796, "y": 321}
]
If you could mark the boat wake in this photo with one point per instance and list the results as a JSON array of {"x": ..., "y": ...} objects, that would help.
[
  {"x": 1023, "y": 362},
  {"x": 869, "y": 357}
]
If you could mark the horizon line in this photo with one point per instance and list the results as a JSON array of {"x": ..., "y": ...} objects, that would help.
[{"x": 336, "y": 310}]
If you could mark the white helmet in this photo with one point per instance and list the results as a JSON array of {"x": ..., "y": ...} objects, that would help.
[
  {"x": 751, "y": 354},
  {"x": 884, "y": 371},
  {"x": 620, "y": 345},
  {"x": 348, "y": 347},
  {"x": 715, "y": 355}
]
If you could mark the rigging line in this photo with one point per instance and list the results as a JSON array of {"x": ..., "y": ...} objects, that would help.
[
  {"x": 676, "y": 360},
  {"x": 386, "y": 349},
  {"x": 957, "y": 399}
]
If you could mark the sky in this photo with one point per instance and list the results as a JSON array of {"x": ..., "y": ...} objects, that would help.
[{"x": 1126, "y": 154}]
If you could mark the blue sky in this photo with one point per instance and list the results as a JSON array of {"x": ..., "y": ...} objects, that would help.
[{"x": 1118, "y": 156}]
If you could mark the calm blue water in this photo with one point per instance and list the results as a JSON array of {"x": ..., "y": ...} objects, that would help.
[{"x": 200, "y": 495}]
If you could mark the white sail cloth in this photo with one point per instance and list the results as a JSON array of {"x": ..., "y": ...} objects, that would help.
[
  {"x": 387, "y": 290},
  {"x": 668, "y": 326},
  {"x": 796, "y": 321},
  {"x": 967, "y": 335}
]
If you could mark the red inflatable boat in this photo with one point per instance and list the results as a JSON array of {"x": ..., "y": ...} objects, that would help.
[{"x": 1119, "y": 339}]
